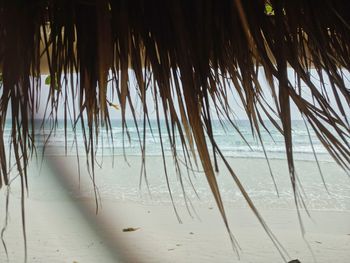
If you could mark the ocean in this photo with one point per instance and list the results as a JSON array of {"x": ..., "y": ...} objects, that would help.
[
  {"x": 231, "y": 143},
  {"x": 120, "y": 178}
]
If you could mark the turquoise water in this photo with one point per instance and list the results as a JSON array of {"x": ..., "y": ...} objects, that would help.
[
  {"x": 230, "y": 142},
  {"x": 120, "y": 180}
]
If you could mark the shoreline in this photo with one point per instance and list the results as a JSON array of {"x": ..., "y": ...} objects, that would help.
[{"x": 169, "y": 155}]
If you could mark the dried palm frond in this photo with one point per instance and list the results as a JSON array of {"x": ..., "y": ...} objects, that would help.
[{"x": 190, "y": 54}]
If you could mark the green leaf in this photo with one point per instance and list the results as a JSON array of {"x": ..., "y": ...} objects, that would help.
[
  {"x": 269, "y": 9},
  {"x": 48, "y": 80}
]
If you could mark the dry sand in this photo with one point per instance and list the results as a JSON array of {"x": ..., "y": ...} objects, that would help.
[
  {"x": 58, "y": 232},
  {"x": 67, "y": 229}
]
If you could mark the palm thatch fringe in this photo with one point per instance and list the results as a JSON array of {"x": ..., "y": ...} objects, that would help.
[{"x": 190, "y": 54}]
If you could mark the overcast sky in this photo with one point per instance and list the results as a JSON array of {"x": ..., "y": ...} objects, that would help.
[{"x": 233, "y": 100}]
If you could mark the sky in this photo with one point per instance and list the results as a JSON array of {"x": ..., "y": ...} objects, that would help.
[{"x": 232, "y": 99}]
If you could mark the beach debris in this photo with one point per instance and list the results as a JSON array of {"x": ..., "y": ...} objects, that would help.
[
  {"x": 171, "y": 249},
  {"x": 191, "y": 233},
  {"x": 294, "y": 261},
  {"x": 130, "y": 229},
  {"x": 318, "y": 242},
  {"x": 178, "y": 245}
]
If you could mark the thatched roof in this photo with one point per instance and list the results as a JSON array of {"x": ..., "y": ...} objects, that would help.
[{"x": 183, "y": 49}]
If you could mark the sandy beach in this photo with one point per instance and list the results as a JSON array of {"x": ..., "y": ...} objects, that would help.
[{"x": 62, "y": 226}]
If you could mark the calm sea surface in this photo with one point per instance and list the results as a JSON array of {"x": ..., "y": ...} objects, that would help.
[
  {"x": 120, "y": 180},
  {"x": 229, "y": 140}
]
